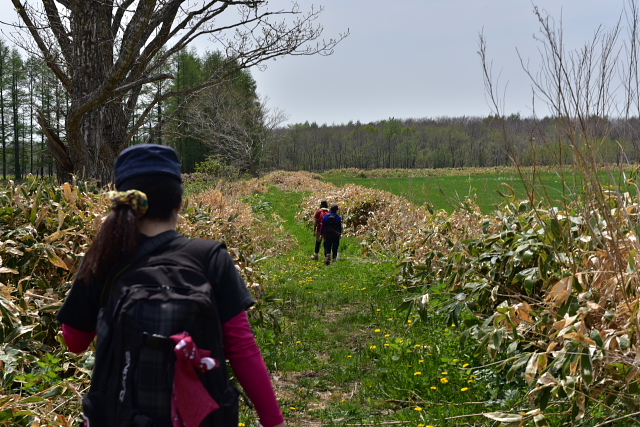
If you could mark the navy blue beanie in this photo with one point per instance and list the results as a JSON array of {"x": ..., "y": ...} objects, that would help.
[{"x": 147, "y": 159}]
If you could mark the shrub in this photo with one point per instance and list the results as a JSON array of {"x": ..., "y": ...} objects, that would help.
[
  {"x": 551, "y": 296},
  {"x": 386, "y": 223}
]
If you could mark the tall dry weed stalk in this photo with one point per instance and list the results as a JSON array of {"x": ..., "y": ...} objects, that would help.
[{"x": 587, "y": 91}]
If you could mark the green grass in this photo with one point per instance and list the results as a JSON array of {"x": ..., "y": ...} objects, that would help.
[
  {"x": 446, "y": 191},
  {"x": 344, "y": 356}
]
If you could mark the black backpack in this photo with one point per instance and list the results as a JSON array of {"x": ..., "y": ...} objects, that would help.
[
  {"x": 132, "y": 380},
  {"x": 331, "y": 228}
]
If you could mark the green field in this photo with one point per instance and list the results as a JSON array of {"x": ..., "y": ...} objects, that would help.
[{"x": 447, "y": 191}]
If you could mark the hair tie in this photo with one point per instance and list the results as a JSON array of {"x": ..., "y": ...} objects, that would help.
[{"x": 137, "y": 200}]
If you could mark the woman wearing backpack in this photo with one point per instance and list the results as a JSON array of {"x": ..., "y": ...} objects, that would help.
[
  {"x": 331, "y": 232},
  {"x": 143, "y": 218}
]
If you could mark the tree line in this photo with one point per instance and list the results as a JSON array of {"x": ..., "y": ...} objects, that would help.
[
  {"x": 135, "y": 80},
  {"x": 229, "y": 123},
  {"x": 452, "y": 142}
]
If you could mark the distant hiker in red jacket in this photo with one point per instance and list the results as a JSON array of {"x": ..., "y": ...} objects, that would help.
[{"x": 317, "y": 226}]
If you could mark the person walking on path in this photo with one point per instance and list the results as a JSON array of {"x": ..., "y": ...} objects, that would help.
[
  {"x": 317, "y": 226},
  {"x": 331, "y": 232},
  {"x": 138, "y": 240}
]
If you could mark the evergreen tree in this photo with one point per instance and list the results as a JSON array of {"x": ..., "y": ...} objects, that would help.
[
  {"x": 17, "y": 76},
  {"x": 4, "y": 66}
]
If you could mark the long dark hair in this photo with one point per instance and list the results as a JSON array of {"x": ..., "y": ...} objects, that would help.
[{"x": 119, "y": 235}]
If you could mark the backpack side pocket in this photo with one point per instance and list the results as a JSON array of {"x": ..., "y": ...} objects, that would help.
[{"x": 94, "y": 409}]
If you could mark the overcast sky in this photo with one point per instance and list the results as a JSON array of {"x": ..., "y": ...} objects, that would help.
[{"x": 418, "y": 58}]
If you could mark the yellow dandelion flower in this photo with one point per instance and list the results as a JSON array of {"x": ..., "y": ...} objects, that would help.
[
  {"x": 293, "y": 408},
  {"x": 373, "y": 347},
  {"x": 377, "y": 330},
  {"x": 455, "y": 360},
  {"x": 445, "y": 373},
  {"x": 444, "y": 380},
  {"x": 465, "y": 365},
  {"x": 387, "y": 335},
  {"x": 417, "y": 346},
  {"x": 464, "y": 389},
  {"x": 349, "y": 356},
  {"x": 434, "y": 388},
  {"x": 379, "y": 309},
  {"x": 421, "y": 361},
  {"x": 470, "y": 381},
  {"x": 417, "y": 408},
  {"x": 409, "y": 321},
  {"x": 418, "y": 373},
  {"x": 298, "y": 342},
  {"x": 387, "y": 345},
  {"x": 240, "y": 424}
]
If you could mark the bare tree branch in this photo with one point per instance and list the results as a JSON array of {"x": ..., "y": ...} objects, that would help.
[{"x": 48, "y": 56}]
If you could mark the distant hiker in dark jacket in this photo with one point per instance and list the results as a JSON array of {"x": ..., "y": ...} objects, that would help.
[
  {"x": 145, "y": 208},
  {"x": 331, "y": 232},
  {"x": 317, "y": 226}
]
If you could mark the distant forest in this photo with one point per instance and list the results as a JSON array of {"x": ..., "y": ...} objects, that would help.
[
  {"x": 229, "y": 124},
  {"x": 451, "y": 143}
]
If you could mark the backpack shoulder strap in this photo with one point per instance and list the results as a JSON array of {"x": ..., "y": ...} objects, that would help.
[{"x": 145, "y": 249}]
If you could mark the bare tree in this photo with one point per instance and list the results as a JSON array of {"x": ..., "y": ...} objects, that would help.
[
  {"x": 104, "y": 51},
  {"x": 234, "y": 124}
]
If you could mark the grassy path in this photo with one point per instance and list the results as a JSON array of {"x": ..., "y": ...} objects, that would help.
[{"x": 344, "y": 356}]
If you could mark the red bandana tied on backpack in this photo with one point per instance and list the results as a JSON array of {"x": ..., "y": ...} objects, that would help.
[{"x": 190, "y": 402}]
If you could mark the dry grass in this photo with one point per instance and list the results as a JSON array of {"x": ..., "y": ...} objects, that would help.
[
  {"x": 388, "y": 223},
  {"x": 298, "y": 181}
]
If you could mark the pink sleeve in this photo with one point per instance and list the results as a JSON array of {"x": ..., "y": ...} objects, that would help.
[
  {"x": 77, "y": 340},
  {"x": 246, "y": 360}
]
